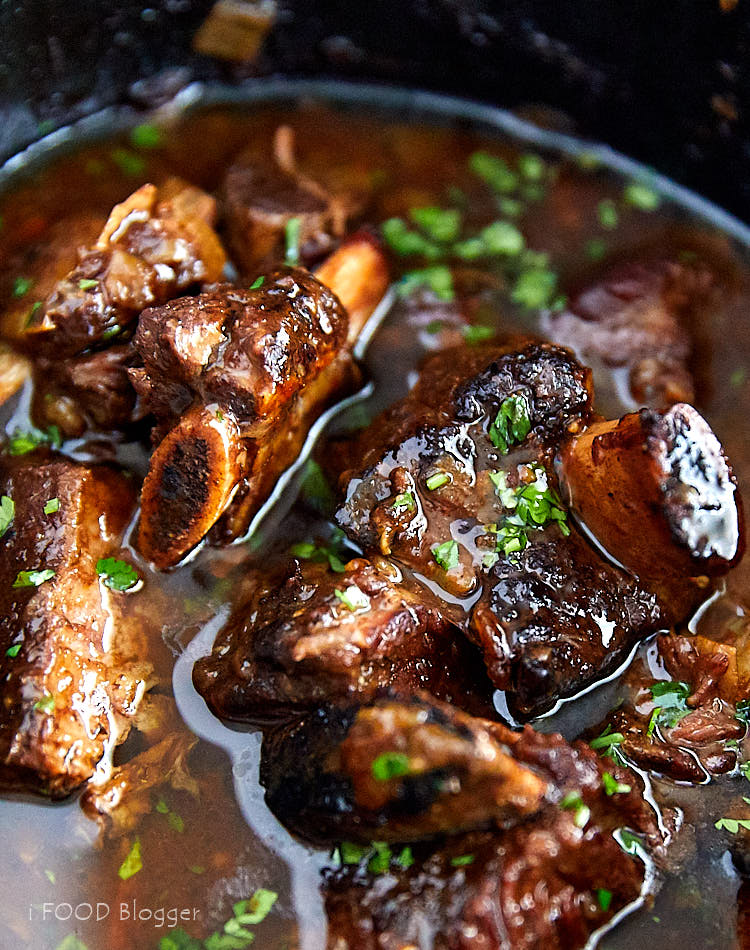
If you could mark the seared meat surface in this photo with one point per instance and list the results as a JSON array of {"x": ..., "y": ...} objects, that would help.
[
  {"x": 156, "y": 244},
  {"x": 640, "y": 317},
  {"x": 260, "y": 199},
  {"x": 458, "y": 482},
  {"x": 235, "y": 378},
  {"x": 402, "y": 768},
  {"x": 308, "y": 635},
  {"x": 69, "y": 665},
  {"x": 548, "y": 881}
]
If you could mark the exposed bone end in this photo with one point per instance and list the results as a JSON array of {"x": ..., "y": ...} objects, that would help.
[
  {"x": 359, "y": 275},
  {"x": 192, "y": 477},
  {"x": 657, "y": 492}
]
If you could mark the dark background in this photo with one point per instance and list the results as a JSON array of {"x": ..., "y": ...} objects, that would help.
[{"x": 666, "y": 82}]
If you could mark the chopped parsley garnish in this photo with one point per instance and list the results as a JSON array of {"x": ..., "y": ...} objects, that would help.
[
  {"x": 71, "y": 942},
  {"x": 162, "y": 807},
  {"x": 291, "y": 237},
  {"x": 404, "y": 501},
  {"x": 33, "y": 578},
  {"x": 641, "y": 196},
  {"x": 315, "y": 489},
  {"x": 512, "y": 423},
  {"x": 145, "y": 136},
  {"x": 629, "y": 842},
  {"x": 401, "y": 239},
  {"x": 446, "y": 554},
  {"x": 572, "y": 801},
  {"x": 437, "y": 480},
  {"x": 21, "y": 286},
  {"x": 258, "y": 282},
  {"x": 178, "y": 939},
  {"x": 353, "y": 598},
  {"x": 493, "y": 171},
  {"x": 738, "y": 377},
  {"x": 534, "y": 507},
  {"x": 604, "y": 898},
  {"x": 308, "y": 551},
  {"x": 532, "y": 166},
  {"x": 612, "y": 786},
  {"x": 379, "y": 856},
  {"x": 606, "y": 211},
  {"x": 437, "y": 278},
  {"x": 733, "y": 825},
  {"x": 596, "y": 249},
  {"x": 406, "y": 858},
  {"x": 439, "y": 224},
  {"x": 462, "y": 860},
  {"x": 390, "y": 765},
  {"x": 478, "y": 333},
  {"x": 14, "y": 650},
  {"x": 46, "y": 704},
  {"x": 502, "y": 237},
  {"x": 7, "y": 513},
  {"x": 87, "y": 283},
  {"x": 506, "y": 495},
  {"x": 381, "y": 859},
  {"x": 117, "y": 575},
  {"x": 672, "y": 706},
  {"x": 175, "y": 822},
  {"x": 607, "y": 743},
  {"x": 35, "y": 308},
  {"x": 741, "y": 710},
  {"x": 52, "y": 506},
  {"x": 352, "y": 853},
  {"x": 133, "y": 862},
  {"x": 257, "y": 908},
  {"x": 22, "y": 442},
  {"x": 128, "y": 162},
  {"x": 534, "y": 288}
]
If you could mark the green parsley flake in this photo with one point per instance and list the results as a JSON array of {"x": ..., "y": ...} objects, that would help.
[
  {"x": 531, "y": 166},
  {"x": 52, "y": 506},
  {"x": 7, "y": 513},
  {"x": 606, "y": 211},
  {"x": 534, "y": 288},
  {"x": 510, "y": 207},
  {"x": 738, "y": 377},
  {"x": 493, "y": 171},
  {"x": 629, "y": 842},
  {"x": 22, "y": 442},
  {"x": 506, "y": 495},
  {"x": 502, "y": 237},
  {"x": 390, "y": 765},
  {"x": 291, "y": 236},
  {"x": 439, "y": 224},
  {"x": 46, "y": 704},
  {"x": 117, "y": 575},
  {"x": 405, "y": 501},
  {"x": 462, "y": 860},
  {"x": 512, "y": 423},
  {"x": 352, "y": 853},
  {"x": 353, "y": 598},
  {"x": 308, "y": 551},
  {"x": 21, "y": 286},
  {"x": 572, "y": 801},
  {"x": 381, "y": 859},
  {"x": 604, "y": 898},
  {"x": 732, "y": 825},
  {"x": 258, "y": 282},
  {"x": 405, "y": 242},
  {"x": 50, "y": 875},
  {"x": 446, "y": 555},
  {"x": 405, "y": 858},
  {"x": 476, "y": 334},
  {"x": 35, "y": 308},
  {"x": 437, "y": 480},
  {"x": 607, "y": 743},
  {"x": 33, "y": 578},
  {"x": 612, "y": 786},
  {"x": 672, "y": 697},
  {"x": 596, "y": 249},
  {"x": 162, "y": 807},
  {"x": 178, "y": 939},
  {"x": 742, "y": 711},
  {"x": 71, "y": 942},
  {"x": 14, "y": 650},
  {"x": 640, "y": 196},
  {"x": 87, "y": 283},
  {"x": 128, "y": 162},
  {"x": 145, "y": 136},
  {"x": 437, "y": 278},
  {"x": 132, "y": 863},
  {"x": 315, "y": 490},
  {"x": 175, "y": 822}
]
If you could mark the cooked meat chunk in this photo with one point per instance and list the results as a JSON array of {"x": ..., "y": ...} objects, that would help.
[
  {"x": 549, "y": 881},
  {"x": 640, "y": 316},
  {"x": 156, "y": 244},
  {"x": 403, "y": 768},
  {"x": 260, "y": 199},
  {"x": 680, "y": 728},
  {"x": 458, "y": 482},
  {"x": 434, "y": 448},
  {"x": 69, "y": 667},
  {"x": 309, "y": 635},
  {"x": 235, "y": 378},
  {"x": 668, "y": 470}
]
